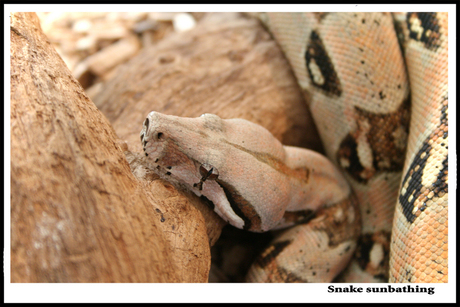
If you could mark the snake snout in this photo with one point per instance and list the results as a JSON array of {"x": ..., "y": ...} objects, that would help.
[{"x": 152, "y": 130}]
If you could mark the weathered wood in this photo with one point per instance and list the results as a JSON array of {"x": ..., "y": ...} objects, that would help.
[
  {"x": 227, "y": 65},
  {"x": 107, "y": 58},
  {"x": 78, "y": 214}
]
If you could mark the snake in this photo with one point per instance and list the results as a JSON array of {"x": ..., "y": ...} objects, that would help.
[{"x": 374, "y": 208}]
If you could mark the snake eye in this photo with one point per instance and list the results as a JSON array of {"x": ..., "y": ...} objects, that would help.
[{"x": 208, "y": 172}]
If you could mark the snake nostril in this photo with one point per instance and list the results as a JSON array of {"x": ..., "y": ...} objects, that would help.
[{"x": 160, "y": 135}]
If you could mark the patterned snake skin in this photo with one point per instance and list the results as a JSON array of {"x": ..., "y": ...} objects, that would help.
[{"x": 376, "y": 84}]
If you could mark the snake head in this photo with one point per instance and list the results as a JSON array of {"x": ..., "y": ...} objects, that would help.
[{"x": 216, "y": 159}]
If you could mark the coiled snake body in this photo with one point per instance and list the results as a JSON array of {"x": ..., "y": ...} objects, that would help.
[{"x": 380, "y": 106}]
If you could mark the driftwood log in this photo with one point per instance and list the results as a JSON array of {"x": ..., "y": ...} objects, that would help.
[{"x": 79, "y": 211}]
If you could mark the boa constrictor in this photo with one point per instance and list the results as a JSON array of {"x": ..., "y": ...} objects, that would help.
[{"x": 376, "y": 85}]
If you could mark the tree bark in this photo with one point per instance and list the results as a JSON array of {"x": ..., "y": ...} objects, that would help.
[{"x": 78, "y": 214}]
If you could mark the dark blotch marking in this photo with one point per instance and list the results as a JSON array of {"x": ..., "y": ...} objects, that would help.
[
  {"x": 198, "y": 185},
  {"x": 423, "y": 207},
  {"x": 415, "y": 181},
  {"x": 409, "y": 275},
  {"x": 362, "y": 253},
  {"x": 316, "y": 52},
  {"x": 274, "y": 250},
  {"x": 298, "y": 217},
  {"x": 288, "y": 277},
  {"x": 387, "y": 156},
  {"x": 348, "y": 150},
  {"x": 241, "y": 206},
  {"x": 413, "y": 178},
  {"x": 430, "y": 35},
  {"x": 338, "y": 230},
  {"x": 440, "y": 184}
]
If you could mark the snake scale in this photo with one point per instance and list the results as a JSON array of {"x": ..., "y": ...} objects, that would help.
[{"x": 376, "y": 85}]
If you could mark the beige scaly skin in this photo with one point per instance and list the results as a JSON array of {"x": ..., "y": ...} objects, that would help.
[
  {"x": 419, "y": 243},
  {"x": 353, "y": 74}
]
